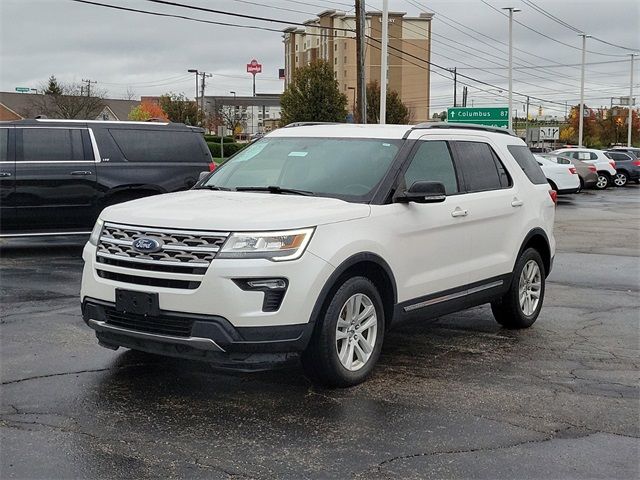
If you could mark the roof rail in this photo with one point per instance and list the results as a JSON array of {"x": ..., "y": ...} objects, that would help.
[
  {"x": 307, "y": 124},
  {"x": 464, "y": 126}
]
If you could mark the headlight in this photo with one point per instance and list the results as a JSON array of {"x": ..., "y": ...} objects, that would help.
[
  {"x": 276, "y": 246},
  {"x": 95, "y": 233}
]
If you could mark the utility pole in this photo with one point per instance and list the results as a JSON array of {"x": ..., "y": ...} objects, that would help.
[
  {"x": 512, "y": 10},
  {"x": 581, "y": 119},
  {"x": 193, "y": 70},
  {"x": 464, "y": 96},
  {"x": 361, "y": 87},
  {"x": 203, "y": 75},
  {"x": 631, "y": 103},
  {"x": 88, "y": 82},
  {"x": 455, "y": 86},
  {"x": 383, "y": 62}
]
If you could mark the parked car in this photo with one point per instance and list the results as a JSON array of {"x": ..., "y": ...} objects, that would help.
[
  {"x": 606, "y": 167},
  {"x": 633, "y": 151},
  {"x": 627, "y": 167},
  {"x": 587, "y": 172},
  {"x": 562, "y": 178},
  {"x": 315, "y": 239},
  {"x": 57, "y": 175}
]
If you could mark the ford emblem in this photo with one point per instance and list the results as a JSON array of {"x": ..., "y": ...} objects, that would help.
[{"x": 147, "y": 245}]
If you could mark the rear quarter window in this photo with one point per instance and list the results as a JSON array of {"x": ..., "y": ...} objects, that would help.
[
  {"x": 528, "y": 163},
  {"x": 159, "y": 146}
]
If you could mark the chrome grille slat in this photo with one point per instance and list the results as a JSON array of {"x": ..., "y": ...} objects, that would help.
[{"x": 180, "y": 248}]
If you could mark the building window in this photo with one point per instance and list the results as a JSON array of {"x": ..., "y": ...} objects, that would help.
[
  {"x": 345, "y": 74},
  {"x": 335, "y": 61},
  {"x": 335, "y": 74},
  {"x": 335, "y": 47},
  {"x": 345, "y": 59}
]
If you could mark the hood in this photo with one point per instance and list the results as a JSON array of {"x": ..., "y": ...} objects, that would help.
[{"x": 233, "y": 211}]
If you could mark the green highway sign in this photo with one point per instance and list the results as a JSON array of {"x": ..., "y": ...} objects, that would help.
[
  {"x": 492, "y": 116},
  {"x": 22, "y": 89}
]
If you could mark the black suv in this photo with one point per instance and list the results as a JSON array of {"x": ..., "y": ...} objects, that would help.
[
  {"x": 627, "y": 165},
  {"x": 57, "y": 175}
]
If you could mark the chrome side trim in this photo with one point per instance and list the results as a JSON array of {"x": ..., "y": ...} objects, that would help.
[
  {"x": 53, "y": 234},
  {"x": 165, "y": 230},
  {"x": 453, "y": 296},
  {"x": 195, "y": 342}
]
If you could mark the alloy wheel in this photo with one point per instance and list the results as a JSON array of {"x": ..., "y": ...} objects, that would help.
[
  {"x": 356, "y": 332},
  {"x": 529, "y": 287},
  {"x": 602, "y": 182},
  {"x": 620, "y": 180}
]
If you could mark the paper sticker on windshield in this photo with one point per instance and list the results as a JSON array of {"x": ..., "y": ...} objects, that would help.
[
  {"x": 386, "y": 144},
  {"x": 298, "y": 154}
]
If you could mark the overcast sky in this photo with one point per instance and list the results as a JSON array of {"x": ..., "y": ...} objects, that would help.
[{"x": 150, "y": 55}]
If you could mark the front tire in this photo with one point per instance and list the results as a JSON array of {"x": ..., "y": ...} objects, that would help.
[
  {"x": 521, "y": 305},
  {"x": 604, "y": 180},
  {"x": 621, "y": 179},
  {"x": 347, "y": 341}
]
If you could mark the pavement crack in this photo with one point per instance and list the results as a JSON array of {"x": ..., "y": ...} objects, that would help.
[{"x": 75, "y": 372}]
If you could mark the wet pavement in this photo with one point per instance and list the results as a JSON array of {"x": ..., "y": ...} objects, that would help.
[{"x": 457, "y": 398}]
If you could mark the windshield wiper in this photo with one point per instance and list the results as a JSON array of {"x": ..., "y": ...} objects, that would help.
[
  {"x": 213, "y": 187},
  {"x": 274, "y": 189}
]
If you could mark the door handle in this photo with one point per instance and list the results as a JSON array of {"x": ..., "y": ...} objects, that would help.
[
  {"x": 5, "y": 174},
  {"x": 517, "y": 203},
  {"x": 82, "y": 172},
  {"x": 458, "y": 212}
]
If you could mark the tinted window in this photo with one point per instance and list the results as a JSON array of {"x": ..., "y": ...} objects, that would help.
[
  {"x": 432, "y": 162},
  {"x": 51, "y": 144},
  {"x": 478, "y": 164},
  {"x": 158, "y": 146},
  {"x": 617, "y": 156},
  {"x": 4, "y": 144},
  {"x": 528, "y": 163}
]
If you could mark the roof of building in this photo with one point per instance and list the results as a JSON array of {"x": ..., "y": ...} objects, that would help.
[{"x": 24, "y": 105}]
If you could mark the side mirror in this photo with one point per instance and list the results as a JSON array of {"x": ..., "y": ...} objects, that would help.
[
  {"x": 423, "y": 192},
  {"x": 203, "y": 175}
]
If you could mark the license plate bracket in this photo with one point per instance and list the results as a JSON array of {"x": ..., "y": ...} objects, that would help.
[{"x": 139, "y": 303}]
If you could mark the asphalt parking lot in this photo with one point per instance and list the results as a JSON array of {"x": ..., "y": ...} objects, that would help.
[{"x": 457, "y": 398}]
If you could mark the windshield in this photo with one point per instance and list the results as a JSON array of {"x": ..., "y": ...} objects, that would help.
[{"x": 347, "y": 168}]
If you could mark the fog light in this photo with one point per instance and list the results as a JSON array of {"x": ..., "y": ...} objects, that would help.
[{"x": 271, "y": 284}]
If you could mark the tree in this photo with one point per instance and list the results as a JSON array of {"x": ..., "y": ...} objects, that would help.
[
  {"x": 147, "y": 110},
  {"x": 67, "y": 100},
  {"x": 52, "y": 86},
  {"x": 179, "y": 109},
  {"x": 313, "y": 96},
  {"x": 396, "y": 112},
  {"x": 230, "y": 118}
]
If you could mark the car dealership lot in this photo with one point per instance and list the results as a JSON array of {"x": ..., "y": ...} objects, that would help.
[{"x": 460, "y": 397}]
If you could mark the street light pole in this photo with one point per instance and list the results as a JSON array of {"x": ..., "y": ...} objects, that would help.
[
  {"x": 631, "y": 102},
  {"x": 512, "y": 10},
  {"x": 581, "y": 119},
  {"x": 383, "y": 62}
]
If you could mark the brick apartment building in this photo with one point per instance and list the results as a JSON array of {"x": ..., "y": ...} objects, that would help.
[{"x": 406, "y": 75}]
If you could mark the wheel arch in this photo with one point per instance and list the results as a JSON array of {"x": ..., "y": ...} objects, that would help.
[
  {"x": 366, "y": 264},
  {"x": 537, "y": 238}
]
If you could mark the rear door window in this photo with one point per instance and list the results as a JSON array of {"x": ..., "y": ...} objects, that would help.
[
  {"x": 4, "y": 144},
  {"x": 528, "y": 163},
  {"x": 481, "y": 168},
  {"x": 158, "y": 146},
  {"x": 52, "y": 144}
]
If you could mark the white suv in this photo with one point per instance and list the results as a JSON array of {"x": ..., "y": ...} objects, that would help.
[{"x": 318, "y": 238}]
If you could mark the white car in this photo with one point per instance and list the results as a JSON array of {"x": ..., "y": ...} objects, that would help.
[
  {"x": 605, "y": 166},
  {"x": 562, "y": 178},
  {"x": 316, "y": 239}
]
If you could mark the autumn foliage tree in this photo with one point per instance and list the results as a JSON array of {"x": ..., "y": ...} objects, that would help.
[
  {"x": 179, "y": 109},
  {"x": 148, "y": 110},
  {"x": 313, "y": 96},
  {"x": 601, "y": 128}
]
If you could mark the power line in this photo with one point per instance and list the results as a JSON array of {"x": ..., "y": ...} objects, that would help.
[{"x": 285, "y": 9}]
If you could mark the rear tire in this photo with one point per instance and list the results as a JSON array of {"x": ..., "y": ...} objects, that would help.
[
  {"x": 347, "y": 341},
  {"x": 520, "y": 306},
  {"x": 621, "y": 179},
  {"x": 604, "y": 181}
]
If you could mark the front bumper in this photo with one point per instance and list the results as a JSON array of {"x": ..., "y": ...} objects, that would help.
[{"x": 210, "y": 338}]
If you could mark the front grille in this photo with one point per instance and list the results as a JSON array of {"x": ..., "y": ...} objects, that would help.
[
  {"x": 181, "y": 252},
  {"x": 151, "y": 281},
  {"x": 163, "y": 325},
  {"x": 179, "y": 247}
]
